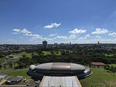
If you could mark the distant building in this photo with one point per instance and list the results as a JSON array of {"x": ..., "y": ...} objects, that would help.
[
  {"x": 55, "y": 44},
  {"x": 44, "y": 44},
  {"x": 98, "y": 64}
]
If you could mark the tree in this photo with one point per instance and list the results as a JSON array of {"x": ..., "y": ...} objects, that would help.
[
  {"x": 4, "y": 66},
  {"x": 0, "y": 66},
  {"x": 23, "y": 56},
  {"x": 1, "y": 55}
]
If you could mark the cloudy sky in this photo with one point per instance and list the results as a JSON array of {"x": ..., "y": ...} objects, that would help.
[{"x": 57, "y": 21}]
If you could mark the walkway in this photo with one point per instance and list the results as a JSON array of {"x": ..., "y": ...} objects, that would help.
[{"x": 61, "y": 81}]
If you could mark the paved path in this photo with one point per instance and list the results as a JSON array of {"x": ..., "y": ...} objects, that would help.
[
  {"x": 2, "y": 82},
  {"x": 60, "y": 81}
]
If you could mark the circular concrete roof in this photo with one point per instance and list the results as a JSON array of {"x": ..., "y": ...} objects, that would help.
[{"x": 60, "y": 66}]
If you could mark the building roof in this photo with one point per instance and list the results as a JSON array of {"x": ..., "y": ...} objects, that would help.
[
  {"x": 59, "y": 66},
  {"x": 98, "y": 63}
]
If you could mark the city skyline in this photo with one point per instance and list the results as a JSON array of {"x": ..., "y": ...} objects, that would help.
[{"x": 77, "y": 21}]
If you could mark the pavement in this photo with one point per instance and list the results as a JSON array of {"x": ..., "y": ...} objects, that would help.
[{"x": 57, "y": 81}]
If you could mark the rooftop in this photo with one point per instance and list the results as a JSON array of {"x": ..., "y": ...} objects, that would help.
[{"x": 98, "y": 63}]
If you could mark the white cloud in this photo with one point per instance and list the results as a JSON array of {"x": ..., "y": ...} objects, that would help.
[
  {"x": 100, "y": 31},
  {"x": 98, "y": 37},
  {"x": 113, "y": 34},
  {"x": 52, "y": 35},
  {"x": 52, "y": 25},
  {"x": 62, "y": 37},
  {"x": 16, "y": 31},
  {"x": 35, "y": 37},
  {"x": 76, "y": 31},
  {"x": 72, "y": 36},
  {"x": 81, "y": 38},
  {"x": 47, "y": 39},
  {"x": 88, "y": 35},
  {"x": 25, "y": 31}
]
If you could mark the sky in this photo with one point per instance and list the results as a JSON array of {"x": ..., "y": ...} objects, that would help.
[{"x": 57, "y": 21}]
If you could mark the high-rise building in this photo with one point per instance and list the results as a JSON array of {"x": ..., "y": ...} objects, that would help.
[{"x": 44, "y": 44}]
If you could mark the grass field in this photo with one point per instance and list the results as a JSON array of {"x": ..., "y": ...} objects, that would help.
[
  {"x": 114, "y": 65},
  {"x": 22, "y": 53},
  {"x": 19, "y": 73},
  {"x": 110, "y": 55},
  {"x": 99, "y": 78},
  {"x": 5, "y": 70}
]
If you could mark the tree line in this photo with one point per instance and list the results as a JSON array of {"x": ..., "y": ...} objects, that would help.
[{"x": 81, "y": 56}]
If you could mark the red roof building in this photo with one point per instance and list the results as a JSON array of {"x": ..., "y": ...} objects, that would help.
[{"x": 98, "y": 64}]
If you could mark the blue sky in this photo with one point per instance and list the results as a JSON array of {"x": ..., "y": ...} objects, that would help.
[{"x": 57, "y": 21}]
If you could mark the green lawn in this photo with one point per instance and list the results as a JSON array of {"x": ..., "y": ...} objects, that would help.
[
  {"x": 49, "y": 53},
  {"x": 110, "y": 55},
  {"x": 114, "y": 65},
  {"x": 18, "y": 73},
  {"x": 5, "y": 70},
  {"x": 99, "y": 77},
  {"x": 22, "y": 53},
  {"x": 46, "y": 52}
]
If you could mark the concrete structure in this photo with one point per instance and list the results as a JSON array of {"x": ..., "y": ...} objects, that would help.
[
  {"x": 60, "y": 81},
  {"x": 59, "y": 69},
  {"x": 14, "y": 80},
  {"x": 44, "y": 44}
]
